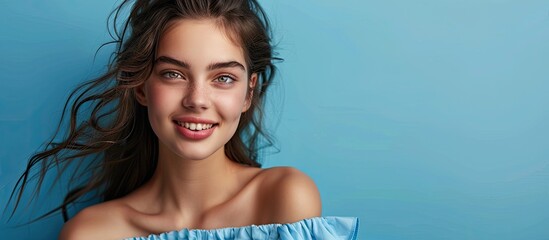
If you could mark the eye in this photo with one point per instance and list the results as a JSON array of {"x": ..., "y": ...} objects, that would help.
[
  {"x": 171, "y": 75},
  {"x": 225, "y": 79}
]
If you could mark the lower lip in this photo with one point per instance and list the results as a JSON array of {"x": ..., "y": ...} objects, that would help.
[{"x": 195, "y": 135}]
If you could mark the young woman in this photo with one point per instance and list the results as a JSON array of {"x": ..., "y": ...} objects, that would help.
[{"x": 175, "y": 126}]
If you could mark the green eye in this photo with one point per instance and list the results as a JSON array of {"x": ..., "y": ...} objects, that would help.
[
  {"x": 171, "y": 75},
  {"x": 225, "y": 79}
]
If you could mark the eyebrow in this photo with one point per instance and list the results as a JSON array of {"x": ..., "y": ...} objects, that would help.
[
  {"x": 172, "y": 61},
  {"x": 211, "y": 67}
]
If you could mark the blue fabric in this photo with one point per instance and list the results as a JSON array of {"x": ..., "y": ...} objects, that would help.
[{"x": 344, "y": 228}]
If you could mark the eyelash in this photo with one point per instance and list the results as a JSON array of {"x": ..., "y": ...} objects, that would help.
[
  {"x": 170, "y": 75},
  {"x": 232, "y": 79},
  {"x": 167, "y": 75}
]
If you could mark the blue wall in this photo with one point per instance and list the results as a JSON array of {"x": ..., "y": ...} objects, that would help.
[{"x": 426, "y": 119}]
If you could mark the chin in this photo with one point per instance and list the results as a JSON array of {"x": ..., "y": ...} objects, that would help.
[{"x": 196, "y": 154}]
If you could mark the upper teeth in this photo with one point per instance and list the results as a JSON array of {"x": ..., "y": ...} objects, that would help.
[{"x": 195, "y": 126}]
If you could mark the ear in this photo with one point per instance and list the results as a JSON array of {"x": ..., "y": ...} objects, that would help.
[
  {"x": 250, "y": 93},
  {"x": 140, "y": 95}
]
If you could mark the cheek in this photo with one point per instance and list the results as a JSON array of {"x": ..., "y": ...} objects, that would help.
[
  {"x": 160, "y": 97},
  {"x": 231, "y": 104},
  {"x": 161, "y": 103}
]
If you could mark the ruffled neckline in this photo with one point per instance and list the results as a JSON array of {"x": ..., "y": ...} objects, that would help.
[{"x": 344, "y": 228}]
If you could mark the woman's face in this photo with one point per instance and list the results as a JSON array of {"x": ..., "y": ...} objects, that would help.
[{"x": 197, "y": 90}]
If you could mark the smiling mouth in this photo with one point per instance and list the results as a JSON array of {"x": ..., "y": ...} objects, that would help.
[{"x": 195, "y": 126}]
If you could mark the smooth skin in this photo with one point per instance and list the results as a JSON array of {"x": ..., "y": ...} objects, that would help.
[{"x": 195, "y": 185}]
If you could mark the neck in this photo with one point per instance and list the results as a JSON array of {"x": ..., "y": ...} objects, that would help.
[{"x": 193, "y": 186}]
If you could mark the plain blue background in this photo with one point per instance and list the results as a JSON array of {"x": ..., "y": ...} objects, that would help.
[{"x": 426, "y": 119}]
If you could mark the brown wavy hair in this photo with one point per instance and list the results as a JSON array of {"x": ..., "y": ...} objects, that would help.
[{"x": 110, "y": 147}]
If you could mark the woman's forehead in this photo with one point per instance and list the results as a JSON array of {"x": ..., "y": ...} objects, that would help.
[{"x": 198, "y": 40}]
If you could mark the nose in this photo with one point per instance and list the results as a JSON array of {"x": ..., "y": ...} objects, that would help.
[{"x": 196, "y": 97}]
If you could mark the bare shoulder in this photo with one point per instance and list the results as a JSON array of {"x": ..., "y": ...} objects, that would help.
[
  {"x": 96, "y": 222},
  {"x": 288, "y": 195}
]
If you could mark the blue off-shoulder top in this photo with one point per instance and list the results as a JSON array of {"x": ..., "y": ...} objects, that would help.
[{"x": 333, "y": 228}]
